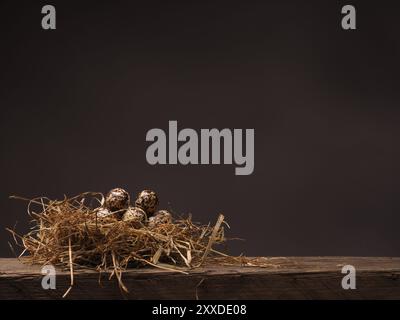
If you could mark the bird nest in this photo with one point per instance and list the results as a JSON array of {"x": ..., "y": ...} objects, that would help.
[{"x": 73, "y": 233}]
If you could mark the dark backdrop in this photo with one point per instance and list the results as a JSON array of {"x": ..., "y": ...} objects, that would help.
[{"x": 77, "y": 102}]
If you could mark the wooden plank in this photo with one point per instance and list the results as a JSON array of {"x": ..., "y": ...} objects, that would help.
[{"x": 285, "y": 278}]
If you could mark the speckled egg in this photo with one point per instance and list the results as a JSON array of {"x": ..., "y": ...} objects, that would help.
[
  {"x": 135, "y": 216},
  {"x": 134, "y": 213},
  {"x": 148, "y": 201},
  {"x": 160, "y": 217},
  {"x": 117, "y": 200},
  {"x": 103, "y": 212}
]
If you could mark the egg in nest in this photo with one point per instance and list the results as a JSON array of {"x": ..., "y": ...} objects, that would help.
[
  {"x": 160, "y": 217},
  {"x": 135, "y": 216},
  {"x": 117, "y": 201},
  {"x": 148, "y": 201}
]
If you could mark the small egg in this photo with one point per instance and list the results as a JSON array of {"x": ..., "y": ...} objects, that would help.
[
  {"x": 134, "y": 213},
  {"x": 148, "y": 201},
  {"x": 134, "y": 216},
  {"x": 160, "y": 217},
  {"x": 117, "y": 200},
  {"x": 102, "y": 212}
]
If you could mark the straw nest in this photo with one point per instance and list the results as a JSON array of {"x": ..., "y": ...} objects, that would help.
[{"x": 71, "y": 233}]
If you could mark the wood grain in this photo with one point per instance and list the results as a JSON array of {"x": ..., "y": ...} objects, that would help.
[{"x": 286, "y": 278}]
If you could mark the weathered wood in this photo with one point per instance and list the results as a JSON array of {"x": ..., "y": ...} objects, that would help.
[{"x": 286, "y": 278}]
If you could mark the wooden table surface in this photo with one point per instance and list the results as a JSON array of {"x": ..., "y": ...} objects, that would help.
[{"x": 285, "y": 278}]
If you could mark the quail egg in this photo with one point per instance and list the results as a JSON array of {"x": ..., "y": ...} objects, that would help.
[
  {"x": 148, "y": 201},
  {"x": 160, "y": 217},
  {"x": 117, "y": 200},
  {"x": 103, "y": 212}
]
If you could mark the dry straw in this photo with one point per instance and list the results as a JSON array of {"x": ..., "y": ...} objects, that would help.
[{"x": 69, "y": 233}]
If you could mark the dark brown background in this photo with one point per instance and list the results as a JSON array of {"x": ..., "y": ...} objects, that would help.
[{"x": 77, "y": 102}]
